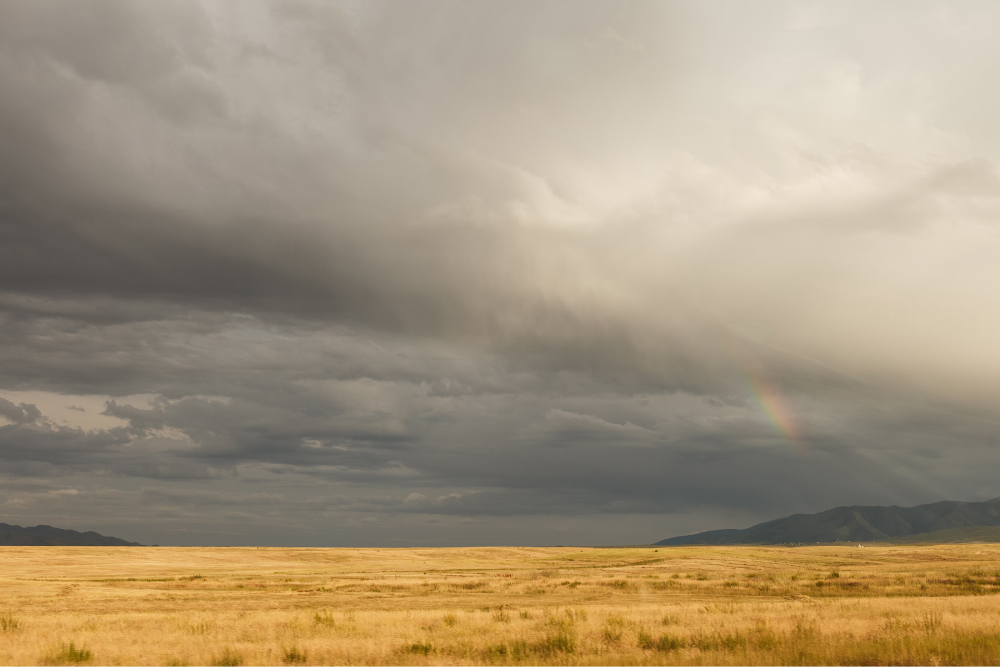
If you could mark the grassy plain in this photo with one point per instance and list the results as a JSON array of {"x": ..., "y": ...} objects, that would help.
[{"x": 682, "y": 605}]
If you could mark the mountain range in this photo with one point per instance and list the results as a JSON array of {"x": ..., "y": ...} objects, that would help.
[
  {"x": 946, "y": 521},
  {"x": 16, "y": 536}
]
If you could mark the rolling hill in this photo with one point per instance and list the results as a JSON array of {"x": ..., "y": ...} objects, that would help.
[
  {"x": 953, "y": 536},
  {"x": 16, "y": 536},
  {"x": 944, "y": 521}
]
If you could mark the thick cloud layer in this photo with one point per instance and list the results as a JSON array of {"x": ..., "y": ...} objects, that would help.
[{"x": 488, "y": 272}]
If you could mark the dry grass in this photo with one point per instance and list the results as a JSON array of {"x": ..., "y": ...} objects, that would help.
[{"x": 686, "y": 605}]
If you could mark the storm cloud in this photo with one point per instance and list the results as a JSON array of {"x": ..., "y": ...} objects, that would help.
[{"x": 447, "y": 273}]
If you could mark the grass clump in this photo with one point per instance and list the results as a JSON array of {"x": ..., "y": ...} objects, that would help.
[
  {"x": 9, "y": 622},
  {"x": 69, "y": 654},
  {"x": 613, "y": 629},
  {"x": 324, "y": 617},
  {"x": 516, "y": 650},
  {"x": 664, "y": 643},
  {"x": 200, "y": 628},
  {"x": 228, "y": 658},
  {"x": 419, "y": 648},
  {"x": 502, "y": 614},
  {"x": 559, "y": 642},
  {"x": 662, "y": 585},
  {"x": 932, "y": 622},
  {"x": 293, "y": 656}
]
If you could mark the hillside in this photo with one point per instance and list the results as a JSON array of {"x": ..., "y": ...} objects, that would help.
[
  {"x": 858, "y": 523},
  {"x": 16, "y": 536},
  {"x": 953, "y": 536}
]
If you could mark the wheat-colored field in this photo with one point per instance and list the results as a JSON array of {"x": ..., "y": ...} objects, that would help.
[{"x": 680, "y": 605}]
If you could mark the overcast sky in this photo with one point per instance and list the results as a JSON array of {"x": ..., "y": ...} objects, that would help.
[{"x": 456, "y": 273}]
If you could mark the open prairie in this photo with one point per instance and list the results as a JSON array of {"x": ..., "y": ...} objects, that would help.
[{"x": 682, "y": 605}]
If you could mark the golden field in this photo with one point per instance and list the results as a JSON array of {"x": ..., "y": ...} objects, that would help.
[{"x": 680, "y": 605}]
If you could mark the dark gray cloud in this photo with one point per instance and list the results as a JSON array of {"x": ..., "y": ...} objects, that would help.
[
  {"x": 19, "y": 414},
  {"x": 297, "y": 272}
]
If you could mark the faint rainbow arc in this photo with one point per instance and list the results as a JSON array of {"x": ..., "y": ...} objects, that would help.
[{"x": 770, "y": 400}]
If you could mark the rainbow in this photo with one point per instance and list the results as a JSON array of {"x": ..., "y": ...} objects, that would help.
[{"x": 770, "y": 400}]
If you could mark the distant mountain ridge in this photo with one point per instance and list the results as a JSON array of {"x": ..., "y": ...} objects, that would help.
[
  {"x": 38, "y": 536},
  {"x": 858, "y": 523}
]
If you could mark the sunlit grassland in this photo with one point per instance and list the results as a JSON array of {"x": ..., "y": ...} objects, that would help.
[{"x": 681, "y": 605}]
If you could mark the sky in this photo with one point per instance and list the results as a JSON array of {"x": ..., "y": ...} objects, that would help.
[{"x": 439, "y": 273}]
